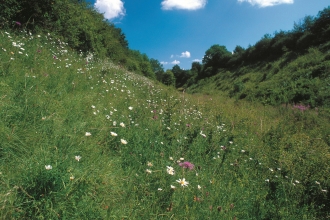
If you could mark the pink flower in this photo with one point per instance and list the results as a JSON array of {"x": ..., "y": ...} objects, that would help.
[{"x": 187, "y": 164}]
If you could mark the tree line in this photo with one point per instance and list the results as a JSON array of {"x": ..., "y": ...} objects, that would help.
[{"x": 306, "y": 33}]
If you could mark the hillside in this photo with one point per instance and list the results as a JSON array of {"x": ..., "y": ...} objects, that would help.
[
  {"x": 291, "y": 79},
  {"x": 90, "y": 140},
  {"x": 287, "y": 67},
  {"x": 79, "y": 25},
  {"x": 86, "y": 131}
]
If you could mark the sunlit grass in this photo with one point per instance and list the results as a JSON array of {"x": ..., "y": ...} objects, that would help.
[{"x": 87, "y": 140}]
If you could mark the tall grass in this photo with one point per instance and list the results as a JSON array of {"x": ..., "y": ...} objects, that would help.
[{"x": 87, "y": 140}]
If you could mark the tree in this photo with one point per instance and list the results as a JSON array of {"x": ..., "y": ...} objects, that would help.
[
  {"x": 168, "y": 78},
  {"x": 156, "y": 66},
  {"x": 238, "y": 50},
  {"x": 196, "y": 67},
  {"x": 181, "y": 75},
  {"x": 216, "y": 57}
]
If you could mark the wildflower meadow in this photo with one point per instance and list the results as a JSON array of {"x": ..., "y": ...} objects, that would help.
[{"x": 82, "y": 138}]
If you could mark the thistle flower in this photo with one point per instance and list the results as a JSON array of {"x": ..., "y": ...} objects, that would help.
[{"x": 187, "y": 164}]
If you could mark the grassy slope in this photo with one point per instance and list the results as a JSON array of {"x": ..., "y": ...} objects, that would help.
[
  {"x": 294, "y": 78},
  {"x": 251, "y": 161}
]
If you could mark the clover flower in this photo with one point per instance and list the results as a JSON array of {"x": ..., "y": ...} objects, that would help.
[
  {"x": 48, "y": 167},
  {"x": 123, "y": 141}
]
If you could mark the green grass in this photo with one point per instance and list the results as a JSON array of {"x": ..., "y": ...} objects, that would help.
[
  {"x": 294, "y": 78},
  {"x": 251, "y": 161}
]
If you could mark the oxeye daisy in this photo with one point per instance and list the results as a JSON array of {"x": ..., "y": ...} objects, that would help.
[
  {"x": 48, "y": 167},
  {"x": 183, "y": 182},
  {"x": 113, "y": 134},
  {"x": 77, "y": 157},
  {"x": 170, "y": 170},
  {"x": 148, "y": 171}
]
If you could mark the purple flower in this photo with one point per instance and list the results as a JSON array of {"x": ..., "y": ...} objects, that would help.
[
  {"x": 18, "y": 23},
  {"x": 187, "y": 164},
  {"x": 301, "y": 107}
]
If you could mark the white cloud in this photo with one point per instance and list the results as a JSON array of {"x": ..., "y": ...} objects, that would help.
[
  {"x": 183, "y": 4},
  {"x": 175, "y": 62},
  {"x": 163, "y": 62},
  {"x": 266, "y": 3},
  {"x": 185, "y": 54},
  {"x": 110, "y": 8},
  {"x": 197, "y": 60}
]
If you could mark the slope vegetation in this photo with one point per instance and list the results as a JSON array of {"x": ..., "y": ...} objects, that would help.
[{"x": 90, "y": 140}]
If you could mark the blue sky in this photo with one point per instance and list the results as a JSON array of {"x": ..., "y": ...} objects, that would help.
[{"x": 180, "y": 31}]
